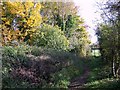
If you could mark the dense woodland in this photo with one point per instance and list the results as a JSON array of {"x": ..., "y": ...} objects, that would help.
[{"x": 46, "y": 45}]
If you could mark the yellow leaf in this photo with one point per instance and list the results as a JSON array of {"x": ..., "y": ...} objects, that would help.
[
  {"x": 25, "y": 34},
  {"x": 8, "y": 22}
]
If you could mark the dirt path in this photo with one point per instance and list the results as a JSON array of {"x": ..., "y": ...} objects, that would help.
[{"x": 78, "y": 82}]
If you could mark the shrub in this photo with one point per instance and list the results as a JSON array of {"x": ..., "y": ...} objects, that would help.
[
  {"x": 30, "y": 66},
  {"x": 63, "y": 77},
  {"x": 50, "y": 37}
]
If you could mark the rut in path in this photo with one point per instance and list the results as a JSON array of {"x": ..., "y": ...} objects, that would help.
[{"x": 78, "y": 82}]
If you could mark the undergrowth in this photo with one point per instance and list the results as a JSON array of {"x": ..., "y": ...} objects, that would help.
[
  {"x": 33, "y": 67},
  {"x": 100, "y": 76}
]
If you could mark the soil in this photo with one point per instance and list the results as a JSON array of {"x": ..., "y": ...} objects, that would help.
[{"x": 79, "y": 81}]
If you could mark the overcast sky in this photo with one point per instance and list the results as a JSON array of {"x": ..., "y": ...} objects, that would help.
[{"x": 87, "y": 11}]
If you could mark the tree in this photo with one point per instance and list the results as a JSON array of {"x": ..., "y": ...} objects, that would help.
[
  {"x": 64, "y": 15},
  {"x": 109, "y": 35},
  {"x": 21, "y": 18},
  {"x": 79, "y": 41},
  {"x": 57, "y": 13}
]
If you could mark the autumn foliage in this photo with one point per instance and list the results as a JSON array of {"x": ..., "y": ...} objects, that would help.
[{"x": 19, "y": 19}]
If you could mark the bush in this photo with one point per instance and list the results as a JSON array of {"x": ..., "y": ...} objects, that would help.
[
  {"x": 63, "y": 77},
  {"x": 30, "y": 66},
  {"x": 50, "y": 37}
]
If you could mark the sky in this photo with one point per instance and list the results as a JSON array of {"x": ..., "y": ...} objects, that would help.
[{"x": 87, "y": 12}]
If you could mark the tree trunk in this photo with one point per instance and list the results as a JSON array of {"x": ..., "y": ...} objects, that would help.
[
  {"x": 113, "y": 68},
  {"x": 64, "y": 26},
  {"x": 117, "y": 72}
]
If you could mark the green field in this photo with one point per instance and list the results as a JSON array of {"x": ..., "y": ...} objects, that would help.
[{"x": 96, "y": 53}]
